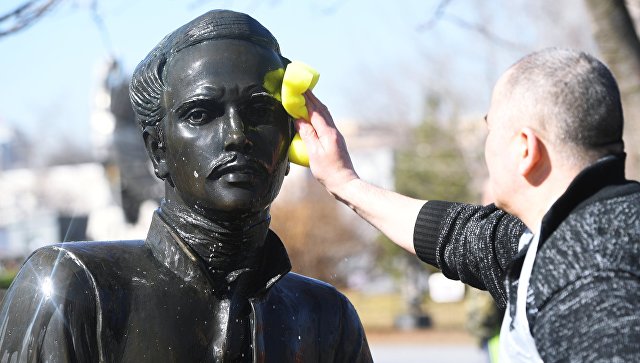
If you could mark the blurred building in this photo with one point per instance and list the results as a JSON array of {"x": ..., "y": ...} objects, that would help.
[
  {"x": 89, "y": 201},
  {"x": 14, "y": 148},
  {"x": 44, "y": 206}
]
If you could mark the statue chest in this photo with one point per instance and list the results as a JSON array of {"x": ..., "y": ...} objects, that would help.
[{"x": 163, "y": 321}]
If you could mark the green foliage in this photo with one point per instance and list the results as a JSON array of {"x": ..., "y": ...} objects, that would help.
[
  {"x": 394, "y": 260},
  {"x": 431, "y": 166},
  {"x": 6, "y": 278}
]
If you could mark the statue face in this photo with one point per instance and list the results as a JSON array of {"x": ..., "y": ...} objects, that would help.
[{"x": 226, "y": 136}]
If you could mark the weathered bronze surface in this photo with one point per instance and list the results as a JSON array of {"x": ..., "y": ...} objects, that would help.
[{"x": 211, "y": 282}]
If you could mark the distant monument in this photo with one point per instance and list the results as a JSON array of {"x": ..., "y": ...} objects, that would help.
[{"x": 211, "y": 282}]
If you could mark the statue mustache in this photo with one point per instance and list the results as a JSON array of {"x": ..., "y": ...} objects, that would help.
[{"x": 229, "y": 159}]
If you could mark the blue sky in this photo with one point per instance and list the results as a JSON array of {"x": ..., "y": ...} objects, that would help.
[{"x": 375, "y": 60}]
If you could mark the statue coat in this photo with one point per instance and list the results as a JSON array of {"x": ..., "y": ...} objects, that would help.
[{"x": 153, "y": 301}]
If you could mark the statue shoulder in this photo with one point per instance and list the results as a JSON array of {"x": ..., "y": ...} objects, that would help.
[
  {"x": 313, "y": 289},
  {"x": 56, "y": 294},
  {"x": 297, "y": 281},
  {"x": 75, "y": 265},
  {"x": 63, "y": 264},
  {"x": 95, "y": 249},
  {"x": 96, "y": 254},
  {"x": 335, "y": 312}
]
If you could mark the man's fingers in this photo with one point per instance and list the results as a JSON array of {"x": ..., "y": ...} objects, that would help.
[
  {"x": 308, "y": 135},
  {"x": 305, "y": 128},
  {"x": 319, "y": 115},
  {"x": 297, "y": 123}
]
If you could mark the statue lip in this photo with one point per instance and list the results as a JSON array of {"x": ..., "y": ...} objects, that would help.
[{"x": 238, "y": 164}]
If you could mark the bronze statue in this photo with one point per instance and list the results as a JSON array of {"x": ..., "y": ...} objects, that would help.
[{"x": 211, "y": 282}]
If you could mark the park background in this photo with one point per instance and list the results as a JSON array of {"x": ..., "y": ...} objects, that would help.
[{"x": 408, "y": 83}]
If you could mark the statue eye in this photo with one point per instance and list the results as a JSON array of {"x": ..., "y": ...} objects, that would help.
[
  {"x": 258, "y": 112},
  {"x": 198, "y": 116}
]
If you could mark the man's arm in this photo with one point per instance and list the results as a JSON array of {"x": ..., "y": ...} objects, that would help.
[
  {"x": 470, "y": 243},
  {"x": 391, "y": 213}
]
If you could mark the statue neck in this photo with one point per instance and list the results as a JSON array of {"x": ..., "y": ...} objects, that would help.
[{"x": 226, "y": 244}]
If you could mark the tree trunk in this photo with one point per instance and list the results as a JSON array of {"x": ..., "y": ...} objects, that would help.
[{"x": 618, "y": 42}]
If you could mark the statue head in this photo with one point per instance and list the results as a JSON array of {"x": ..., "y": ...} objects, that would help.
[{"x": 212, "y": 124}]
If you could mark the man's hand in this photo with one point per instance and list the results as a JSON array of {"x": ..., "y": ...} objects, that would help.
[
  {"x": 328, "y": 156},
  {"x": 393, "y": 214}
]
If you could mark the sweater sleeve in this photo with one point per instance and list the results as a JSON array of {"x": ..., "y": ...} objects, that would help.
[{"x": 470, "y": 243}]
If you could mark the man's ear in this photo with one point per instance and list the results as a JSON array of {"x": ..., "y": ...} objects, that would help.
[
  {"x": 530, "y": 152},
  {"x": 155, "y": 149}
]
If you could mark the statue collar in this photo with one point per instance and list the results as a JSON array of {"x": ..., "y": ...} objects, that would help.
[
  {"x": 175, "y": 254},
  {"x": 223, "y": 246}
]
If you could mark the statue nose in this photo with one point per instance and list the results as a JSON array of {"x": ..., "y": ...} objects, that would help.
[{"x": 236, "y": 138}]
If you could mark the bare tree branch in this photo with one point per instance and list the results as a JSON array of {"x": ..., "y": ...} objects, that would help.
[
  {"x": 484, "y": 31},
  {"x": 24, "y": 15},
  {"x": 437, "y": 15},
  {"x": 16, "y": 12},
  {"x": 102, "y": 28},
  {"x": 440, "y": 14}
]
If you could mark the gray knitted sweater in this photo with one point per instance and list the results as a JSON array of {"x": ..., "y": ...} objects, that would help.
[{"x": 583, "y": 302}]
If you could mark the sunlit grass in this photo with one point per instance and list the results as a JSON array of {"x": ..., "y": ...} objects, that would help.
[{"x": 379, "y": 311}]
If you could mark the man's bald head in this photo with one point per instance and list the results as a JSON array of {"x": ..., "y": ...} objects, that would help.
[{"x": 571, "y": 98}]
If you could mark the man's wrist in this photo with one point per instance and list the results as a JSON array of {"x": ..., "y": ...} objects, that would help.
[{"x": 346, "y": 192}]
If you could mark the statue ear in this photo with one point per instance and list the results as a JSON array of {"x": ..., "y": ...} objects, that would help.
[{"x": 155, "y": 149}]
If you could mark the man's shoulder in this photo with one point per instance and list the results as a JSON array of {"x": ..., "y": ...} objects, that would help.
[
  {"x": 624, "y": 195},
  {"x": 598, "y": 231},
  {"x": 613, "y": 211},
  {"x": 600, "y": 238}
]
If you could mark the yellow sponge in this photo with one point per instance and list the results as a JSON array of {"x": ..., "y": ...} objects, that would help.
[
  {"x": 298, "y": 78},
  {"x": 298, "y": 152}
]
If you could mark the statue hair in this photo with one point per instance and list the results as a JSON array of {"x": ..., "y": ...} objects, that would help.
[{"x": 148, "y": 81}]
